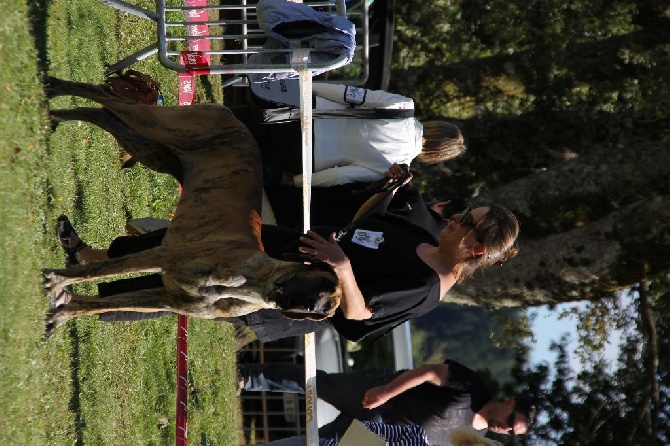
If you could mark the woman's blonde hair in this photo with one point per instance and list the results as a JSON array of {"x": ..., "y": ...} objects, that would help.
[
  {"x": 497, "y": 231},
  {"x": 441, "y": 141}
]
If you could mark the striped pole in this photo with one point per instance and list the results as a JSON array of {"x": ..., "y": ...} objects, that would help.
[
  {"x": 181, "y": 435},
  {"x": 186, "y": 97}
]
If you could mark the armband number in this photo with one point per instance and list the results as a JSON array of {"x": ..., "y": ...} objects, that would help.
[{"x": 354, "y": 95}]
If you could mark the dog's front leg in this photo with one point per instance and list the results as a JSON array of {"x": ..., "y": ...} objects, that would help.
[
  {"x": 149, "y": 261},
  {"x": 141, "y": 301}
]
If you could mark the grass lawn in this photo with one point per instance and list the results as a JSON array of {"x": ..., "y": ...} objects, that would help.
[{"x": 92, "y": 383}]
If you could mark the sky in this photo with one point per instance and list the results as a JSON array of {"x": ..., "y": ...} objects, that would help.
[{"x": 547, "y": 327}]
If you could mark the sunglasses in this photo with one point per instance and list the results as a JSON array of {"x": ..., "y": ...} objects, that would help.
[
  {"x": 467, "y": 220},
  {"x": 451, "y": 207}
]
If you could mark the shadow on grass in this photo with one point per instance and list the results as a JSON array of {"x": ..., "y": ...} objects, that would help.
[
  {"x": 208, "y": 88},
  {"x": 75, "y": 405},
  {"x": 37, "y": 15}
]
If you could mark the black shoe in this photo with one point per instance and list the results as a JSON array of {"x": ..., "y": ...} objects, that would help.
[{"x": 69, "y": 240}]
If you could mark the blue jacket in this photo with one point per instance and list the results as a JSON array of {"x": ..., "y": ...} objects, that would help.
[{"x": 327, "y": 36}]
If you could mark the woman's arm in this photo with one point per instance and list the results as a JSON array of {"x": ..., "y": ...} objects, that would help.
[
  {"x": 334, "y": 176},
  {"x": 352, "y": 304},
  {"x": 376, "y": 202},
  {"x": 435, "y": 374},
  {"x": 348, "y": 95}
]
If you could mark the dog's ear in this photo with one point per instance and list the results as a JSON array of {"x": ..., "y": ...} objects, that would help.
[{"x": 304, "y": 316}]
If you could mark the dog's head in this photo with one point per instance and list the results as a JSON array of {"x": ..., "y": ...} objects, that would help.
[{"x": 306, "y": 291}]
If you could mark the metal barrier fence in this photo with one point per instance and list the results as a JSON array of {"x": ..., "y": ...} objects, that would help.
[
  {"x": 270, "y": 416},
  {"x": 234, "y": 34}
]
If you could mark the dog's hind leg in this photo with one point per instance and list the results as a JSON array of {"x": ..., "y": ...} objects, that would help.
[
  {"x": 54, "y": 87},
  {"x": 136, "y": 115},
  {"x": 149, "y": 121},
  {"x": 151, "y": 153},
  {"x": 95, "y": 115},
  {"x": 182, "y": 127}
]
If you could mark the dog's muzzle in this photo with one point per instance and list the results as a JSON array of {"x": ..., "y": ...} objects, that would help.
[{"x": 310, "y": 294}]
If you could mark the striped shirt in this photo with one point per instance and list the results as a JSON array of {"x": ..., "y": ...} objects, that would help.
[{"x": 394, "y": 434}]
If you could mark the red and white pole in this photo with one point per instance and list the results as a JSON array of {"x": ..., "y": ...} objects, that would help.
[{"x": 181, "y": 436}]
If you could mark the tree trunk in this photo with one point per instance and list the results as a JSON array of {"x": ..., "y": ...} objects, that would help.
[
  {"x": 502, "y": 150},
  {"x": 560, "y": 124},
  {"x": 585, "y": 263},
  {"x": 585, "y": 188},
  {"x": 590, "y": 226},
  {"x": 651, "y": 352}
]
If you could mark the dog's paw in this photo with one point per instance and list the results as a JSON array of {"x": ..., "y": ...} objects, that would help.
[
  {"x": 53, "y": 122},
  {"x": 55, "y": 318},
  {"x": 56, "y": 298},
  {"x": 49, "y": 324},
  {"x": 48, "y": 330},
  {"x": 51, "y": 279}
]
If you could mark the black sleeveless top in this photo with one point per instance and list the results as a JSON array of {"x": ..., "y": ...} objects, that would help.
[{"x": 396, "y": 284}]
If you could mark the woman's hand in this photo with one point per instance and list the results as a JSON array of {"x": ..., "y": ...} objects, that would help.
[
  {"x": 324, "y": 250},
  {"x": 435, "y": 374},
  {"x": 375, "y": 397},
  {"x": 353, "y": 304},
  {"x": 396, "y": 172}
]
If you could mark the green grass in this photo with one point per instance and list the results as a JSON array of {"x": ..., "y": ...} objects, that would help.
[{"x": 92, "y": 383}]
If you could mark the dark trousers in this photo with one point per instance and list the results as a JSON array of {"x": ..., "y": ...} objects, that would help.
[
  {"x": 280, "y": 144},
  {"x": 123, "y": 246},
  {"x": 330, "y": 206},
  {"x": 344, "y": 391},
  {"x": 281, "y": 149}
]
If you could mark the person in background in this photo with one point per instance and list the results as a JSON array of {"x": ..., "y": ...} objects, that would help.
[
  {"x": 437, "y": 397},
  {"x": 352, "y": 149}
]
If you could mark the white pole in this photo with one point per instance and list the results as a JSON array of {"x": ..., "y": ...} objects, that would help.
[{"x": 300, "y": 59}]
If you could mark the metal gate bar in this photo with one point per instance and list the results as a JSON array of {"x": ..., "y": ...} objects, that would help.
[{"x": 172, "y": 38}]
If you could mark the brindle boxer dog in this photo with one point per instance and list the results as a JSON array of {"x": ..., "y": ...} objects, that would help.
[{"x": 211, "y": 260}]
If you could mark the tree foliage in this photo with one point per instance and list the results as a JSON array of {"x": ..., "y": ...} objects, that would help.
[
  {"x": 565, "y": 110},
  {"x": 441, "y": 334},
  {"x": 564, "y": 107},
  {"x": 625, "y": 403}
]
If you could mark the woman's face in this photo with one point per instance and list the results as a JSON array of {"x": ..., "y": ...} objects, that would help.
[{"x": 461, "y": 227}]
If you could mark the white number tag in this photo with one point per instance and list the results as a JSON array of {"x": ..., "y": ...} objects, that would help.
[
  {"x": 369, "y": 239},
  {"x": 354, "y": 95}
]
